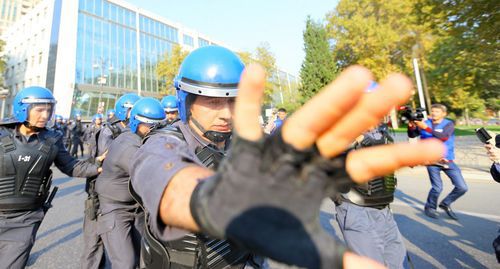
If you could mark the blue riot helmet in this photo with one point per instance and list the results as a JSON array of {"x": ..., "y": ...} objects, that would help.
[
  {"x": 211, "y": 71},
  {"x": 30, "y": 97},
  {"x": 169, "y": 103},
  {"x": 147, "y": 110},
  {"x": 59, "y": 117},
  {"x": 97, "y": 116},
  {"x": 110, "y": 113},
  {"x": 124, "y": 103}
]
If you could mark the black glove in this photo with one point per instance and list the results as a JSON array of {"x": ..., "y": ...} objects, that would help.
[{"x": 266, "y": 197}]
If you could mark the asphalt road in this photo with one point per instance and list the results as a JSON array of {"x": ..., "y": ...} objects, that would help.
[{"x": 442, "y": 243}]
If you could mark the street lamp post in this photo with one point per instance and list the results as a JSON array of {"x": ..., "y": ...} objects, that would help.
[{"x": 102, "y": 80}]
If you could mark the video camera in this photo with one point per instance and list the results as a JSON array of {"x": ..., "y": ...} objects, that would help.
[{"x": 410, "y": 114}]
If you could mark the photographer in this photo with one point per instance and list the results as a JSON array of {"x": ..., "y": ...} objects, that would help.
[
  {"x": 494, "y": 154},
  {"x": 443, "y": 129}
]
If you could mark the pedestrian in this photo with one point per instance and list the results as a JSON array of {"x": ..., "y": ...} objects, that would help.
[
  {"x": 26, "y": 179},
  {"x": 438, "y": 127},
  {"x": 266, "y": 193}
]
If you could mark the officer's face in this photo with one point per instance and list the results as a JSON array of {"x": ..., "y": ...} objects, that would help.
[
  {"x": 39, "y": 115},
  {"x": 214, "y": 113},
  {"x": 98, "y": 121},
  {"x": 172, "y": 115},
  {"x": 143, "y": 129},
  {"x": 110, "y": 115}
]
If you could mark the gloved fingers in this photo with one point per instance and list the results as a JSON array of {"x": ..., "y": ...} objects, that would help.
[
  {"x": 368, "y": 163},
  {"x": 368, "y": 112},
  {"x": 303, "y": 128},
  {"x": 248, "y": 103}
]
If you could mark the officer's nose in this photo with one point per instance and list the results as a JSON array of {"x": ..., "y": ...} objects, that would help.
[{"x": 226, "y": 112}]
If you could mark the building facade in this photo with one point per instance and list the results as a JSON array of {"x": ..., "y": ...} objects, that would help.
[
  {"x": 12, "y": 10},
  {"x": 90, "y": 52}
]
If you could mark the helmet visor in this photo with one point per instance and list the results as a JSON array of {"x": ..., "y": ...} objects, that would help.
[{"x": 41, "y": 114}]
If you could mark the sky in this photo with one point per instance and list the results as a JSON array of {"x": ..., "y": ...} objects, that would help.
[{"x": 245, "y": 24}]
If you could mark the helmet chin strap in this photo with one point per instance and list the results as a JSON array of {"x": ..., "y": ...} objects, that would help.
[
  {"x": 32, "y": 127},
  {"x": 214, "y": 136}
]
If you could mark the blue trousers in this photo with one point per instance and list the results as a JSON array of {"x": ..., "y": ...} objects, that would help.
[
  {"x": 454, "y": 173},
  {"x": 373, "y": 233}
]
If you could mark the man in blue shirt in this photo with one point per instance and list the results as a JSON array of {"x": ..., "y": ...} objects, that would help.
[{"x": 443, "y": 129}]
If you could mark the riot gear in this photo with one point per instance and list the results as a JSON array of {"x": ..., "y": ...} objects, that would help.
[
  {"x": 25, "y": 171},
  {"x": 147, "y": 110},
  {"x": 192, "y": 250}
]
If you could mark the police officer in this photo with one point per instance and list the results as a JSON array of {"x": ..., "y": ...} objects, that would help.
[
  {"x": 91, "y": 134},
  {"x": 121, "y": 220},
  {"x": 93, "y": 246},
  {"x": 363, "y": 212},
  {"x": 93, "y": 249},
  {"x": 266, "y": 193},
  {"x": 169, "y": 103},
  {"x": 27, "y": 150},
  {"x": 110, "y": 115},
  {"x": 77, "y": 132},
  {"x": 59, "y": 126},
  {"x": 118, "y": 123}
]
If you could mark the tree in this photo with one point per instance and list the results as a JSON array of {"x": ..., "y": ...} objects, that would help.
[
  {"x": 467, "y": 57},
  {"x": 3, "y": 63},
  {"x": 380, "y": 35},
  {"x": 169, "y": 66},
  {"x": 266, "y": 59},
  {"x": 318, "y": 68}
]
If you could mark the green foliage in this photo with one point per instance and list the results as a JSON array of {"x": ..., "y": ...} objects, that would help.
[
  {"x": 3, "y": 63},
  {"x": 318, "y": 68},
  {"x": 466, "y": 59},
  {"x": 168, "y": 68},
  {"x": 457, "y": 43},
  {"x": 380, "y": 35},
  {"x": 266, "y": 59}
]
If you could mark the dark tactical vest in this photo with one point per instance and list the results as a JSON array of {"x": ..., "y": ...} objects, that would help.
[
  {"x": 25, "y": 174},
  {"x": 113, "y": 127},
  {"x": 193, "y": 250},
  {"x": 377, "y": 193}
]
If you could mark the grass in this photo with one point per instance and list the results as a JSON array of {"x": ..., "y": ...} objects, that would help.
[{"x": 462, "y": 130}]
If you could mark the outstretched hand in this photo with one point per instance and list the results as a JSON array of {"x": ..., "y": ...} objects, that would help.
[
  {"x": 267, "y": 193},
  {"x": 335, "y": 117}
]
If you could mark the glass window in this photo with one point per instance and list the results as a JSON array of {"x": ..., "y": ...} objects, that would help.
[
  {"x": 98, "y": 7},
  {"x": 112, "y": 12},
  {"x": 141, "y": 23},
  {"x": 81, "y": 6},
  {"x": 188, "y": 40},
  {"x": 105, "y": 9},
  {"x": 131, "y": 19},
  {"x": 119, "y": 15}
]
